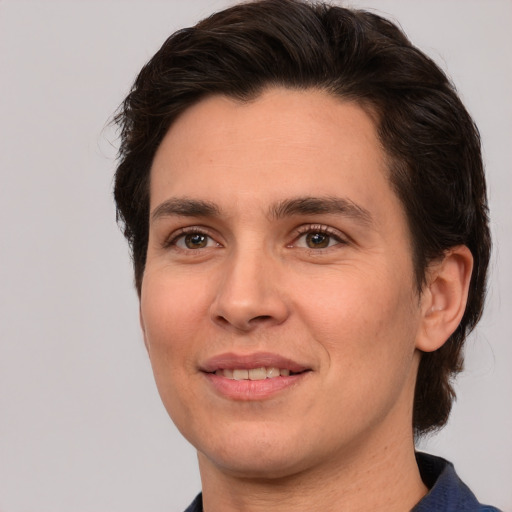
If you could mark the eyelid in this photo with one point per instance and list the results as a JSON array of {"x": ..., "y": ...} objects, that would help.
[
  {"x": 171, "y": 240},
  {"x": 319, "y": 228}
]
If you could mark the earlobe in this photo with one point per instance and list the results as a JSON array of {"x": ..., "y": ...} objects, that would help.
[{"x": 444, "y": 298}]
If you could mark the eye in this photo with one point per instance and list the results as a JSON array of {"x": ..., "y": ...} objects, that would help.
[
  {"x": 193, "y": 240},
  {"x": 317, "y": 238}
]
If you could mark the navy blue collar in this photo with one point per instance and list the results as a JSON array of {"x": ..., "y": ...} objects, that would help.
[{"x": 448, "y": 493}]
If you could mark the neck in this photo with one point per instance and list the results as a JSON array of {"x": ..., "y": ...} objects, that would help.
[{"x": 383, "y": 476}]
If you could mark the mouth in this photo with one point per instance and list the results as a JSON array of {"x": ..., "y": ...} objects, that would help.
[
  {"x": 260, "y": 373},
  {"x": 252, "y": 377},
  {"x": 257, "y": 366}
]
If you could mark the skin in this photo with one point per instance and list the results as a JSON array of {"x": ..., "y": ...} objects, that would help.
[{"x": 254, "y": 277}]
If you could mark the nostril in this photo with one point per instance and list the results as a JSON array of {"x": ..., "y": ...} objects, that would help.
[
  {"x": 221, "y": 320},
  {"x": 261, "y": 318},
  {"x": 243, "y": 324}
]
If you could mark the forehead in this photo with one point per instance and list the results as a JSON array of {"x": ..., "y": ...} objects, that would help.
[{"x": 282, "y": 143}]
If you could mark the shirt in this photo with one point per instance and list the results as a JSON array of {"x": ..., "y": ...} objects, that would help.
[{"x": 448, "y": 493}]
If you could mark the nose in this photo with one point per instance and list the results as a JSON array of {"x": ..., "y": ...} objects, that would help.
[{"x": 249, "y": 295}]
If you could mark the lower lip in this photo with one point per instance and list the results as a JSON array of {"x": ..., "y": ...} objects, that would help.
[{"x": 247, "y": 390}]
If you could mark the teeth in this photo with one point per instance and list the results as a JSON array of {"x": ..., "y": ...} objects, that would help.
[
  {"x": 257, "y": 374},
  {"x": 272, "y": 372},
  {"x": 254, "y": 373},
  {"x": 240, "y": 374}
]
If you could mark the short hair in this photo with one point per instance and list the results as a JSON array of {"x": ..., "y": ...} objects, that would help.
[{"x": 431, "y": 142}]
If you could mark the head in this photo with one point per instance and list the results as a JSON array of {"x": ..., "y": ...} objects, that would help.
[{"x": 430, "y": 142}]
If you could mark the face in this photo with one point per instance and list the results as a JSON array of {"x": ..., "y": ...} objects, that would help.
[{"x": 278, "y": 301}]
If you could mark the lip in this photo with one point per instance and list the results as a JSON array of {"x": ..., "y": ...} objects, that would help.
[
  {"x": 232, "y": 361},
  {"x": 252, "y": 390}
]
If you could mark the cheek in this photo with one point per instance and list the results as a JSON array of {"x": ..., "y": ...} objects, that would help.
[
  {"x": 366, "y": 331},
  {"x": 170, "y": 306},
  {"x": 172, "y": 313},
  {"x": 363, "y": 318}
]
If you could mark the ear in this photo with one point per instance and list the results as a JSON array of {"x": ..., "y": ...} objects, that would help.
[
  {"x": 444, "y": 298},
  {"x": 143, "y": 328}
]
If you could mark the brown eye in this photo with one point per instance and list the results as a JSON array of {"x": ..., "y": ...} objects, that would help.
[
  {"x": 318, "y": 237},
  {"x": 318, "y": 240},
  {"x": 195, "y": 240},
  {"x": 192, "y": 239}
]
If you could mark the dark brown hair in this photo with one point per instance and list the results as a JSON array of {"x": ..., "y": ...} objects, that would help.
[{"x": 432, "y": 144}]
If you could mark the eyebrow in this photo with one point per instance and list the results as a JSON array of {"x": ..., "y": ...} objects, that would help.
[
  {"x": 319, "y": 206},
  {"x": 185, "y": 207}
]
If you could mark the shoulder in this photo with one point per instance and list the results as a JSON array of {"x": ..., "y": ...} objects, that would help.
[{"x": 448, "y": 493}]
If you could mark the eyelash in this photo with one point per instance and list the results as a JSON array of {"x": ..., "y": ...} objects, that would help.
[
  {"x": 300, "y": 232},
  {"x": 172, "y": 241},
  {"x": 320, "y": 229}
]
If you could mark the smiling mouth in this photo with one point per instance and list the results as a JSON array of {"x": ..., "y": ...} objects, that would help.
[
  {"x": 261, "y": 373},
  {"x": 252, "y": 377}
]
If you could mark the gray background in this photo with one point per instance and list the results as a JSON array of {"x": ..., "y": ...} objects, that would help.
[{"x": 81, "y": 425}]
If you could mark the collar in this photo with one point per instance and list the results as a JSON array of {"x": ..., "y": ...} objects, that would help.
[{"x": 448, "y": 493}]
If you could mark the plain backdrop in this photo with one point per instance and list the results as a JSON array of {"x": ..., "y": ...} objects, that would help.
[{"x": 81, "y": 425}]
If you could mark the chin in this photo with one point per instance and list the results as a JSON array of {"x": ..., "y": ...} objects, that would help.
[
  {"x": 257, "y": 456},
  {"x": 259, "y": 466}
]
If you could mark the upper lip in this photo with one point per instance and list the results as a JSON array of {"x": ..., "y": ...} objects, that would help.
[{"x": 247, "y": 361}]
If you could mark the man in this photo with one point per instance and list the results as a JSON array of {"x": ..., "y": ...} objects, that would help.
[{"x": 304, "y": 196}]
